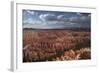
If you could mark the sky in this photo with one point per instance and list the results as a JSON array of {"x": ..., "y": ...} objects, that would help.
[{"x": 55, "y": 19}]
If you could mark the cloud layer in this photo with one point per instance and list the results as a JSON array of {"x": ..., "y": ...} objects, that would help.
[{"x": 52, "y": 19}]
